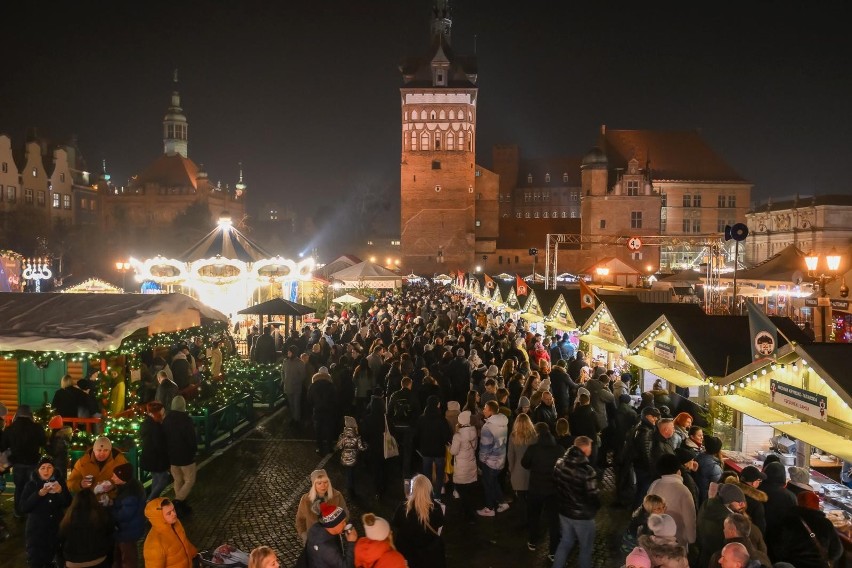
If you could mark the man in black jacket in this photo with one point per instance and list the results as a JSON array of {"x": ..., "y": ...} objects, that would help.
[
  {"x": 540, "y": 458},
  {"x": 458, "y": 373},
  {"x": 26, "y": 439},
  {"x": 577, "y": 488},
  {"x": 640, "y": 441},
  {"x": 403, "y": 410},
  {"x": 431, "y": 435},
  {"x": 182, "y": 446}
]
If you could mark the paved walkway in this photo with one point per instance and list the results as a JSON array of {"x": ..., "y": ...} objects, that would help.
[{"x": 248, "y": 492}]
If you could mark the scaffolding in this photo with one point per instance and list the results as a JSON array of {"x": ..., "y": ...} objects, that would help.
[{"x": 712, "y": 246}]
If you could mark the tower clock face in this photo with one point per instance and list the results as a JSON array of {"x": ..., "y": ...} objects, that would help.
[{"x": 632, "y": 168}]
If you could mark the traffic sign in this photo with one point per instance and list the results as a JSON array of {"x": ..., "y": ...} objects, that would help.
[{"x": 635, "y": 243}]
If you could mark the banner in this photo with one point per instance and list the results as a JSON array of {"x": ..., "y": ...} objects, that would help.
[
  {"x": 489, "y": 282},
  {"x": 800, "y": 400},
  {"x": 521, "y": 288},
  {"x": 763, "y": 333},
  {"x": 587, "y": 297}
]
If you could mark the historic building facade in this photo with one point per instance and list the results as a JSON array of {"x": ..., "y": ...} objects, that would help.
[{"x": 448, "y": 208}]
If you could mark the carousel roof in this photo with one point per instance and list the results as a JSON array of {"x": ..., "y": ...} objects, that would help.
[
  {"x": 91, "y": 323},
  {"x": 228, "y": 242}
]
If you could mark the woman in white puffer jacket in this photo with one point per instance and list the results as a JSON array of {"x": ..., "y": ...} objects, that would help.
[{"x": 463, "y": 449}]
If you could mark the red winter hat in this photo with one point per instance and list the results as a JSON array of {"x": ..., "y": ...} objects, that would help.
[
  {"x": 331, "y": 515},
  {"x": 55, "y": 423}
]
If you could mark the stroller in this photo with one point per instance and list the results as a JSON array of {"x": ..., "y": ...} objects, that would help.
[{"x": 224, "y": 555}]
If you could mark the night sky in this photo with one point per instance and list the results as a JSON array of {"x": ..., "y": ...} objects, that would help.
[{"x": 306, "y": 94}]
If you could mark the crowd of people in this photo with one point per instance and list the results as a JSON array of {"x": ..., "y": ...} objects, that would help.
[{"x": 481, "y": 414}]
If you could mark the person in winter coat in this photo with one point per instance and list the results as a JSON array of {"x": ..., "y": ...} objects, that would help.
[
  {"x": 321, "y": 492},
  {"x": 546, "y": 411},
  {"x": 167, "y": 390},
  {"x": 709, "y": 468},
  {"x": 737, "y": 528},
  {"x": 711, "y": 517},
  {"x": 372, "y": 432},
  {"x": 458, "y": 373},
  {"x": 166, "y": 545},
  {"x": 25, "y": 439},
  {"x": 128, "y": 513},
  {"x": 661, "y": 441},
  {"x": 432, "y": 434},
  {"x": 780, "y": 501},
  {"x": 322, "y": 397},
  {"x": 682, "y": 424},
  {"x": 86, "y": 531},
  {"x": 578, "y": 501},
  {"x": 688, "y": 468},
  {"x": 522, "y": 437},
  {"x": 540, "y": 459},
  {"x": 584, "y": 421},
  {"x": 324, "y": 548},
  {"x": 417, "y": 525},
  {"x": 182, "y": 445},
  {"x": 293, "y": 377},
  {"x": 155, "y": 455},
  {"x": 562, "y": 387},
  {"x": 43, "y": 500},
  {"x": 663, "y": 547},
  {"x": 680, "y": 504},
  {"x": 750, "y": 480},
  {"x": 463, "y": 449},
  {"x": 792, "y": 541},
  {"x": 350, "y": 443},
  {"x": 94, "y": 470},
  {"x": 600, "y": 396},
  {"x": 376, "y": 549},
  {"x": 492, "y": 457}
]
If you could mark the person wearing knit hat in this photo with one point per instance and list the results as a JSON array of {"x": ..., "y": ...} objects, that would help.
[
  {"x": 128, "y": 514},
  {"x": 637, "y": 558},
  {"x": 799, "y": 480},
  {"x": 544, "y": 385},
  {"x": 321, "y": 491},
  {"x": 44, "y": 497},
  {"x": 24, "y": 440},
  {"x": 179, "y": 404},
  {"x": 662, "y": 545},
  {"x": 350, "y": 443},
  {"x": 94, "y": 469},
  {"x": 662, "y": 525},
  {"x": 376, "y": 547},
  {"x": 323, "y": 544},
  {"x": 729, "y": 494},
  {"x": 182, "y": 445},
  {"x": 492, "y": 371},
  {"x": 523, "y": 405}
]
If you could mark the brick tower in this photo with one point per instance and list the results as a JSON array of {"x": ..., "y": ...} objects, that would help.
[{"x": 438, "y": 223}]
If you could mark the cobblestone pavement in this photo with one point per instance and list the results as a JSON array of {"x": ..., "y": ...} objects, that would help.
[{"x": 247, "y": 494}]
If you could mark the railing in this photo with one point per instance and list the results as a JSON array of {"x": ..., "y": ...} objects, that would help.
[
  {"x": 219, "y": 425},
  {"x": 268, "y": 392}
]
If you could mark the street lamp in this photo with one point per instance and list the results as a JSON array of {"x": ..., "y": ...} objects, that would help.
[
  {"x": 534, "y": 254},
  {"x": 832, "y": 262},
  {"x": 602, "y": 272},
  {"x": 123, "y": 267}
]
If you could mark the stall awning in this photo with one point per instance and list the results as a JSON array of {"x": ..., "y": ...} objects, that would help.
[
  {"x": 644, "y": 362},
  {"x": 755, "y": 409},
  {"x": 819, "y": 438},
  {"x": 679, "y": 378},
  {"x": 603, "y": 343}
]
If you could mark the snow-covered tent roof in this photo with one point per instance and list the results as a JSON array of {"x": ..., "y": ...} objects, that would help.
[
  {"x": 228, "y": 242},
  {"x": 91, "y": 323},
  {"x": 368, "y": 274}
]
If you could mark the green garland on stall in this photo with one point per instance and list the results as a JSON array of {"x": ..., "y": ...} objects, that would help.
[{"x": 250, "y": 371}]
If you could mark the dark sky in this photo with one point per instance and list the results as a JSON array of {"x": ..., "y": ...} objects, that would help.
[{"x": 306, "y": 94}]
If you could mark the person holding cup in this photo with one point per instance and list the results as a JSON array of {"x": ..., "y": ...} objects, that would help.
[
  {"x": 331, "y": 541},
  {"x": 44, "y": 499},
  {"x": 95, "y": 468}
]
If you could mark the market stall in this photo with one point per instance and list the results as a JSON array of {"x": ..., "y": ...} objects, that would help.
[{"x": 548, "y": 310}]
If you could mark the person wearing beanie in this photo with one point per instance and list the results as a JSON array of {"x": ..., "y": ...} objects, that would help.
[
  {"x": 463, "y": 449},
  {"x": 432, "y": 434},
  {"x": 680, "y": 504},
  {"x": 350, "y": 443},
  {"x": 321, "y": 492},
  {"x": 24, "y": 439},
  {"x": 662, "y": 545},
  {"x": 94, "y": 469},
  {"x": 709, "y": 465},
  {"x": 166, "y": 543},
  {"x": 128, "y": 514},
  {"x": 523, "y": 405},
  {"x": 376, "y": 549},
  {"x": 780, "y": 501},
  {"x": 637, "y": 558},
  {"x": 43, "y": 500},
  {"x": 800, "y": 480},
  {"x": 729, "y": 499},
  {"x": 324, "y": 546},
  {"x": 181, "y": 447},
  {"x": 154, "y": 456},
  {"x": 793, "y": 539}
]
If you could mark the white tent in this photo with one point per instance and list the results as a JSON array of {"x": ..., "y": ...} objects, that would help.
[
  {"x": 368, "y": 275},
  {"x": 91, "y": 323}
]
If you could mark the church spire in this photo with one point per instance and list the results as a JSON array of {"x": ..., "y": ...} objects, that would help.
[
  {"x": 175, "y": 125},
  {"x": 442, "y": 22},
  {"x": 240, "y": 186}
]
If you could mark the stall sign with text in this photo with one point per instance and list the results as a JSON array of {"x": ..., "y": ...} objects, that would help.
[
  {"x": 608, "y": 331},
  {"x": 665, "y": 350},
  {"x": 800, "y": 400}
]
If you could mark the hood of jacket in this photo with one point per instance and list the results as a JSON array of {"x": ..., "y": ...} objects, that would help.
[
  {"x": 660, "y": 548},
  {"x": 155, "y": 515},
  {"x": 369, "y": 551},
  {"x": 320, "y": 377},
  {"x": 753, "y": 492},
  {"x": 498, "y": 420}
]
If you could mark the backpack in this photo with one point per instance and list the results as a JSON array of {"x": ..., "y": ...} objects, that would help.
[{"x": 401, "y": 411}]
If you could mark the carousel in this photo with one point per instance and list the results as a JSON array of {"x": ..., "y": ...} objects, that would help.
[{"x": 225, "y": 270}]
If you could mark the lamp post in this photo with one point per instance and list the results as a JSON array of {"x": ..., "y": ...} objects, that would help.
[
  {"x": 534, "y": 254},
  {"x": 602, "y": 272},
  {"x": 123, "y": 267},
  {"x": 832, "y": 263}
]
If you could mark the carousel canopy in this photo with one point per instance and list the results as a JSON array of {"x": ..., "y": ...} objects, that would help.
[
  {"x": 228, "y": 242},
  {"x": 91, "y": 323}
]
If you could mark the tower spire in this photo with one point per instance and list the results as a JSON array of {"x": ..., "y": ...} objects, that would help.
[
  {"x": 175, "y": 127},
  {"x": 442, "y": 22},
  {"x": 240, "y": 186}
]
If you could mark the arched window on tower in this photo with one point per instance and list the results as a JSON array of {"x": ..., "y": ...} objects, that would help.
[
  {"x": 443, "y": 114},
  {"x": 450, "y": 141},
  {"x": 432, "y": 115},
  {"x": 424, "y": 141},
  {"x": 461, "y": 140},
  {"x": 438, "y": 140},
  {"x": 413, "y": 140},
  {"x": 469, "y": 116},
  {"x": 452, "y": 114}
]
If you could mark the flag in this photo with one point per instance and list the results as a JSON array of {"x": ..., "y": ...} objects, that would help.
[
  {"x": 489, "y": 282},
  {"x": 521, "y": 288},
  {"x": 763, "y": 333},
  {"x": 460, "y": 279},
  {"x": 587, "y": 297}
]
